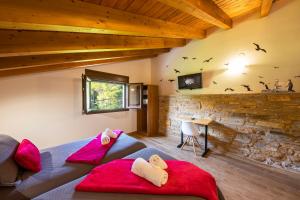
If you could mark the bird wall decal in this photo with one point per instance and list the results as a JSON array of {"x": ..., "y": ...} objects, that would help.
[
  {"x": 176, "y": 71},
  {"x": 247, "y": 87},
  {"x": 258, "y": 48},
  {"x": 171, "y": 80},
  {"x": 264, "y": 84},
  {"x": 185, "y": 57},
  {"x": 208, "y": 60},
  {"x": 290, "y": 86},
  {"x": 229, "y": 89}
]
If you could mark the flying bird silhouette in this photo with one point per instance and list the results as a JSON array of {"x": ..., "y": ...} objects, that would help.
[
  {"x": 214, "y": 82},
  {"x": 260, "y": 77},
  {"x": 264, "y": 84},
  {"x": 176, "y": 71},
  {"x": 229, "y": 89},
  {"x": 171, "y": 80},
  {"x": 184, "y": 57},
  {"x": 258, "y": 48},
  {"x": 247, "y": 87},
  {"x": 208, "y": 60}
]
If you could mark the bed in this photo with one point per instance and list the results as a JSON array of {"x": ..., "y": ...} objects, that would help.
[{"x": 67, "y": 191}]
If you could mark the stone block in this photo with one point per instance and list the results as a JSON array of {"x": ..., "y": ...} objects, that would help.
[{"x": 269, "y": 124}]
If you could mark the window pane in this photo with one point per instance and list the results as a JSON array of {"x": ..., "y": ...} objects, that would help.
[{"x": 105, "y": 96}]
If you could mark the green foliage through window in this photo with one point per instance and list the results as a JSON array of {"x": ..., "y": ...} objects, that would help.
[{"x": 106, "y": 96}]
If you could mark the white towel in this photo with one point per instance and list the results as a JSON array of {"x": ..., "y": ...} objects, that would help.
[
  {"x": 155, "y": 175},
  {"x": 105, "y": 139},
  {"x": 158, "y": 161},
  {"x": 110, "y": 133}
]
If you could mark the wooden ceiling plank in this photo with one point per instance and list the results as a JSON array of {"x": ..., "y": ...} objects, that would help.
[
  {"x": 123, "y": 5},
  {"x": 22, "y": 43},
  {"x": 55, "y": 67},
  {"x": 135, "y": 6},
  {"x": 266, "y": 6},
  {"x": 51, "y": 59},
  {"x": 205, "y": 10},
  {"x": 78, "y": 16}
]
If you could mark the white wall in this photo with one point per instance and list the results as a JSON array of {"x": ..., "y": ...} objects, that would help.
[
  {"x": 47, "y": 107},
  {"x": 278, "y": 33}
]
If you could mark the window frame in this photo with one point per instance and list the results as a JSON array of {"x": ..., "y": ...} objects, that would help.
[{"x": 91, "y": 75}]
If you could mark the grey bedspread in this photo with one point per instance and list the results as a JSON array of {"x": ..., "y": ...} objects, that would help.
[
  {"x": 56, "y": 172},
  {"x": 67, "y": 192}
]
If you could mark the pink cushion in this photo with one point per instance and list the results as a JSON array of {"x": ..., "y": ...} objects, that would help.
[{"x": 28, "y": 156}]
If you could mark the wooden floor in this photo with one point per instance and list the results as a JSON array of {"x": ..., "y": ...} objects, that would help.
[{"x": 238, "y": 179}]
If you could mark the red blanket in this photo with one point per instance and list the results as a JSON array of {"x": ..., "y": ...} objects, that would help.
[
  {"x": 184, "y": 179},
  {"x": 94, "y": 151}
]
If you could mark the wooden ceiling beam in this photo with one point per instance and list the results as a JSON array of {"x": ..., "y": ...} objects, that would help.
[
  {"x": 51, "y": 59},
  {"x": 266, "y": 6},
  {"x": 22, "y": 43},
  {"x": 55, "y": 67},
  {"x": 205, "y": 10},
  {"x": 78, "y": 16}
]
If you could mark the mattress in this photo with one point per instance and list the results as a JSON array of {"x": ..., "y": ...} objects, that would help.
[
  {"x": 55, "y": 171},
  {"x": 67, "y": 191}
]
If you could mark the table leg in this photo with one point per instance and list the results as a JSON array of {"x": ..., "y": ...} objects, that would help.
[
  {"x": 205, "y": 144},
  {"x": 181, "y": 140}
]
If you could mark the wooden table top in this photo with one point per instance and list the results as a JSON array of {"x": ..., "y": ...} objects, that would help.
[{"x": 204, "y": 122}]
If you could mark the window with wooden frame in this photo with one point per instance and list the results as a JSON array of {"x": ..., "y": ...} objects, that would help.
[{"x": 104, "y": 92}]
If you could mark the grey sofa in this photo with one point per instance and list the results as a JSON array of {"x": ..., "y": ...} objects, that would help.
[{"x": 55, "y": 171}]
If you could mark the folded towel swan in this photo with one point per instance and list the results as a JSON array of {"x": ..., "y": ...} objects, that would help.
[
  {"x": 110, "y": 133},
  {"x": 158, "y": 161},
  {"x": 106, "y": 135},
  {"x": 105, "y": 139},
  {"x": 155, "y": 175}
]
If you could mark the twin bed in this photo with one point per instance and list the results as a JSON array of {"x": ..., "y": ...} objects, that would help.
[{"x": 57, "y": 179}]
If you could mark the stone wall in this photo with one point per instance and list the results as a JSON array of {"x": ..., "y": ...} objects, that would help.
[{"x": 260, "y": 127}]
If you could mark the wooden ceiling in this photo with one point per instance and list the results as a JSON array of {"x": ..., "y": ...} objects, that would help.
[{"x": 45, "y": 35}]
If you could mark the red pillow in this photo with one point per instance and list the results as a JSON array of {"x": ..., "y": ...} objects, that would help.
[{"x": 28, "y": 156}]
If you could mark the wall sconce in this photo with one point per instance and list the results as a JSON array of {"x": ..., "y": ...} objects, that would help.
[{"x": 237, "y": 65}]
